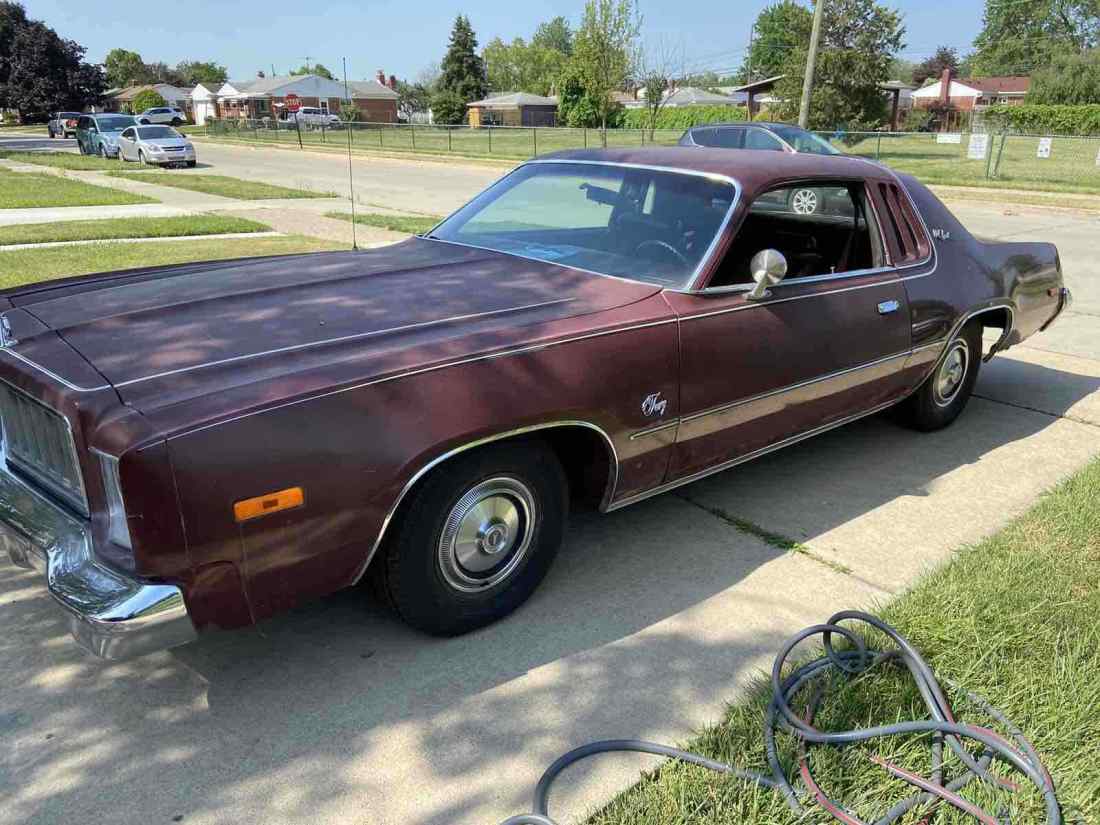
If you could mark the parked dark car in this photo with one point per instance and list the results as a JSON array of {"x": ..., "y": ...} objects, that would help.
[
  {"x": 98, "y": 134},
  {"x": 62, "y": 124},
  {"x": 203, "y": 446}
]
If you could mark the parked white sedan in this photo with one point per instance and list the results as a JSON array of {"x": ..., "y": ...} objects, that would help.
[{"x": 160, "y": 145}]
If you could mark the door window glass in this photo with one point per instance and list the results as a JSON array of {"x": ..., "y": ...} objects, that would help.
[{"x": 759, "y": 139}]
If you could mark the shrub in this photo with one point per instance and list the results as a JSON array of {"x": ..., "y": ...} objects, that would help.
[
  {"x": 147, "y": 99},
  {"x": 1046, "y": 119},
  {"x": 349, "y": 111},
  {"x": 681, "y": 117},
  {"x": 448, "y": 107}
]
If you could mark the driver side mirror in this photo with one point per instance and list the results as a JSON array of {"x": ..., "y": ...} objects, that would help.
[{"x": 768, "y": 267}]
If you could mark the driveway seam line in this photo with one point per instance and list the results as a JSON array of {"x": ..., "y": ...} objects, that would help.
[{"x": 1074, "y": 419}]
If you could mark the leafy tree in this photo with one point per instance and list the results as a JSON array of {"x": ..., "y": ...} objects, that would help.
[
  {"x": 604, "y": 51},
  {"x": 1070, "y": 79},
  {"x": 575, "y": 107},
  {"x": 147, "y": 99},
  {"x": 932, "y": 68},
  {"x": 125, "y": 67},
  {"x": 521, "y": 66},
  {"x": 194, "y": 72},
  {"x": 317, "y": 69},
  {"x": 781, "y": 29},
  {"x": 858, "y": 38},
  {"x": 901, "y": 69},
  {"x": 462, "y": 75},
  {"x": 163, "y": 73},
  {"x": 412, "y": 98},
  {"x": 554, "y": 34},
  {"x": 40, "y": 71},
  {"x": 1020, "y": 37},
  {"x": 658, "y": 65}
]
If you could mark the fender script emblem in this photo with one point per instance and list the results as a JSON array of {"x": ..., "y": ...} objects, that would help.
[
  {"x": 654, "y": 404},
  {"x": 941, "y": 234}
]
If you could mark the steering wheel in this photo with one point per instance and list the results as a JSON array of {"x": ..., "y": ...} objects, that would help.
[{"x": 667, "y": 247}]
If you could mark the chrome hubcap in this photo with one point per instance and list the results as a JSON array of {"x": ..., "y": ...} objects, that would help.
[
  {"x": 804, "y": 202},
  {"x": 952, "y": 371},
  {"x": 487, "y": 534}
]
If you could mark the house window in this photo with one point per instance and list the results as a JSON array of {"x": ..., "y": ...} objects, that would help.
[
  {"x": 324, "y": 107},
  {"x": 261, "y": 105}
]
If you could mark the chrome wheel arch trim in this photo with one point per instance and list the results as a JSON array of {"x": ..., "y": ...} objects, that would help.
[{"x": 605, "y": 504}]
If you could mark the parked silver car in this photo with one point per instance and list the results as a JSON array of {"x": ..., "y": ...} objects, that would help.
[
  {"x": 160, "y": 145},
  {"x": 173, "y": 115}
]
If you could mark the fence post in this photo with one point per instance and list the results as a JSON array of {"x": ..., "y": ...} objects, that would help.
[
  {"x": 489, "y": 129},
  {"x": 988, "y": 158},
  {"x": 878, "y": 147},
  {"x": 448, "y": 128},
  {"x": 585, "y": 130},
  {"x": 323, "y": 138},
  {"x": 1000, "y": 151},
  {"x": 381, "y": 140},
  {"x": 412, "y": 134},
  {"x": 534, "y": 141}
]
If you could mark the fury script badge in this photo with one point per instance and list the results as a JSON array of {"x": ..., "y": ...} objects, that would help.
[{"x": 654, "y": 404}]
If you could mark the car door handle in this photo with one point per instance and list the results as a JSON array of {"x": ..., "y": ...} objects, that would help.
[{"x": 886, "y": 307}]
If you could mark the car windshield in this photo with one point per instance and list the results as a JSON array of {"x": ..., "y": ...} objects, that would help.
[
  {"x": 63, "y": 115},
  {"x": 804, "y": 141},
  {"x": 652, "y": 225},
  {"x": 114, "y": 124},
  {"x": 157, "y": 132}
]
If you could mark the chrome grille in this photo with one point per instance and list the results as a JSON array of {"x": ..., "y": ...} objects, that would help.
[{"x": 39, "y": 442}]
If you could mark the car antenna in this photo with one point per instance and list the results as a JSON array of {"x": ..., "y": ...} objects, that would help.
[{"x": 351, "y": 178}]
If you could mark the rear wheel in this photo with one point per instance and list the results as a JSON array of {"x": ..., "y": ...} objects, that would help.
[
  {"x": 943, "y": 395},
  {"x": 102, "y": 152},
  {"x": 477, "y": 537}
]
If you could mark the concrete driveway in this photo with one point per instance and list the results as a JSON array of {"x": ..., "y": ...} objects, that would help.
[{"x": 652, "y": 619}]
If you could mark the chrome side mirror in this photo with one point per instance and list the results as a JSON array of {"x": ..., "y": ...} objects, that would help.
[{"x": 768, "y": 268}]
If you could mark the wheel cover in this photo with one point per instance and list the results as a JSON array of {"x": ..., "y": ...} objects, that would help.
[
  {"x": 487, "y": 534},
  {"x": 804, "y": 202},
  {"x": 951, "y": 373}
]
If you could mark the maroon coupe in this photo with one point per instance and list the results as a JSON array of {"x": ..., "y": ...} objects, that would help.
[{"x": 205, "y": 445}]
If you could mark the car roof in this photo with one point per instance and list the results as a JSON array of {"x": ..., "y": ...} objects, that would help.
[
  {"x": 745, "y": 124},
  {"x": 754, "y": 169}
]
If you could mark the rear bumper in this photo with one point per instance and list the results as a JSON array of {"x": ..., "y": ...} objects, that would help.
[
  {"x": 1065, "y": 301},
  {"x": 110, "y": 614}
]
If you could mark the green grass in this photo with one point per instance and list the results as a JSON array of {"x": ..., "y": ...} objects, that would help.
[
  {"x": 26, "y": 266},
  {"x": 24, "y": 190},
  {"x": 126, "y": 228},
  {"x": 410, "y": 224},
  {"x": 60, "y": 159},
  {"x": 221, "y": 185},
  {"x": 1013, "y": 618}
]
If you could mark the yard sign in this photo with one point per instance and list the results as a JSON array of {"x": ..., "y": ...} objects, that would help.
[
  {"x": 949, "y": 137},
  {"x": 1044, "y": 147},
  {"x": 979, "y": 145}
]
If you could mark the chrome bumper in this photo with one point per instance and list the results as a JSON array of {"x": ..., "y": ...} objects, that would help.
[
  {"x": 110, "y": 614},
  {"x": 1065, "y": 301}
]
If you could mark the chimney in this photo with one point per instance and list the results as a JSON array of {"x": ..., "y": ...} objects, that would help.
[
  {"x": 945, "y": 87},
  {"x": 392, "y": 82},
  {"x": 381, "y": 77}
]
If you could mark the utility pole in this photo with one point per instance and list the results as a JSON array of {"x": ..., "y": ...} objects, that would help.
[{"x": 811, "y": 60}]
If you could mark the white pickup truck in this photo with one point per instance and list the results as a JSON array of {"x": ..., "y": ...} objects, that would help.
[{"x": 310, "y": 117}]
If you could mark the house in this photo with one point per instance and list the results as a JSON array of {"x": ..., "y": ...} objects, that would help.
[
  {"x": 691, "y": 96},
  {"x": 971, "y": 93},
  {"x": 121, "y": 99},
  {"x": 265, "y": 97},
  {"x": 204, "y": 101},
  {"x": 514, "y": 109}
]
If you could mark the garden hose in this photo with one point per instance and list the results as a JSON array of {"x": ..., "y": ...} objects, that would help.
[{"x": 933, "y": 790}]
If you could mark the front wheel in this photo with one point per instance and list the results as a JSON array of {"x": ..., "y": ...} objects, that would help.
[
  {"x": 943, "y": 395},
  {"x": 477, "y": 537}
]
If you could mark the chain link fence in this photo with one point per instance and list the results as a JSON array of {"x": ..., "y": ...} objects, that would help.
[{"x": 1053, "y": 162}]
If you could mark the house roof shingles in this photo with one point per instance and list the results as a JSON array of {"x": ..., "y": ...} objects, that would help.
[
  {"x": 513, "y": 100},
  {"x": 1000, "y": 85}
]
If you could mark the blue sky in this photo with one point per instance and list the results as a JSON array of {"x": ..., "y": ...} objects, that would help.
[{"x": 403, "y": 37}]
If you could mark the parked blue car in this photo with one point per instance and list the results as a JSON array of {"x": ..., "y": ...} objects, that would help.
[{"x": 98, "y": 134}]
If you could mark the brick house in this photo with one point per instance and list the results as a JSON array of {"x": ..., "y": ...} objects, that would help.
[
  {"x": 265, "y": 97},
  {"x": 122, "y": 99},
  {"x": 971, "y": 93},
  {"x": 514, "y": 109}
]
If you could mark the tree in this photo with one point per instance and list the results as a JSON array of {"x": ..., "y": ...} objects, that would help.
[
  {"x": 195, "y": 72},
  {"x": 781, "y": 30},
  {"x": 147, "y": 99},
  {"x": 604, "y": 51},
  {"x": 412, "y": 98},
  {"x": 658, "y": 66},
  {"x": 521, "y": 66},
  {"x": 554, "y": 34},
  {"x": 1023, "y": 36},
  {"x": 901, "y": 69},
  {"x": 317, "y": 69},
  {"x": 933, "y": 68},
  {"x": 858, "y": 38},
  {"x": 462, "y": 75},
  {"x": 39, "y": 70},
  {"x": 1070, "y": 79},
  {"x": 125, "y": 68},
  {"x": 575, "y": 107}
]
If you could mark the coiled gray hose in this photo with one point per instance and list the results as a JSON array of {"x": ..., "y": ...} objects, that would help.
[{"x": 943, "y": 726}]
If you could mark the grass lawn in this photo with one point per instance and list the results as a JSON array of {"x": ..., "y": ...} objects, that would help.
[
  {"x": 411, "y": 224},
  {"x": 22, "y": 190},
  {"x": 221, "y": 185},
  {"x": 127, "y": 228},
  {"x": 26, "y": 266},
  {"x": 60, "y": 159},
  {"x": 1013, "y": 618}
]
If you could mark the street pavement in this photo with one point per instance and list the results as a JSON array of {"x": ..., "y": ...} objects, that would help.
[{"x": 653, "y": 618}]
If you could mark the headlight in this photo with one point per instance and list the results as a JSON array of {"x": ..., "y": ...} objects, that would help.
[
  {"x": 118, "y": 530},
  {"x": 189, "y": 147},
  {"x": 154, "y": 148}
]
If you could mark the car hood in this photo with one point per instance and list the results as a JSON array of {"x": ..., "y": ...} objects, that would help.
[
  {"x": 165, "y": 142},
  {"x": 164, "y": 335}
]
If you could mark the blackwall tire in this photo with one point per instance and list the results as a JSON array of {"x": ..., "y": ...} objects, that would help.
[
  {"x": 944, "y": 394},
  {"x": 476, "y": 538}
]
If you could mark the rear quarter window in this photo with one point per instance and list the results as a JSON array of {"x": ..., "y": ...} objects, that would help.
[{"x": 903, "y": 228}]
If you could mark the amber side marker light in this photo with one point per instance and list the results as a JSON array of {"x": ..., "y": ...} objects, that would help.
[{"x": 251, "y": 508}]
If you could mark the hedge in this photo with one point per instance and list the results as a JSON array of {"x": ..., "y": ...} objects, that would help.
[
  {"x": 681, "y": 117},
  {"x": 1046, "y": 119}
]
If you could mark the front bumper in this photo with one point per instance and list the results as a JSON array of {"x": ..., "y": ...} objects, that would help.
[
  {"x": 110, "y": 614},
  {"x": 167, "y": 158}
]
